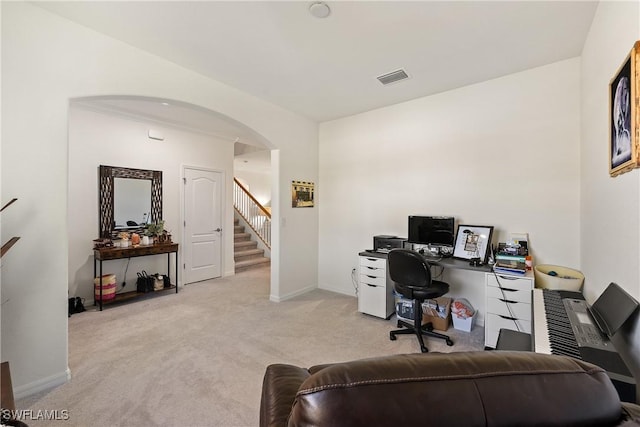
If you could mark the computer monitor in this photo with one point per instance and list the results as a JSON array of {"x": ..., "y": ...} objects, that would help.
[
  {"x": 612, "y": 308},
  {"x": 431, "y": 230}
]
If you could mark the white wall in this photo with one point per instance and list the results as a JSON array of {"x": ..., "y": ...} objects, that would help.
[
  {"x": 105, "y": 139},
  {"x": 610, "y": 207},
  {"x": 257, "y": 182},
  {"x": 504, "y": 153},
  {"x": 48, "y": 60}
]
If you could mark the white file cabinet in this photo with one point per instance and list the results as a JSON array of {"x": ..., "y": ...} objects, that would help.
[
  {"x": 375, "y": 290},
  {"x": 508, "y": 305}
]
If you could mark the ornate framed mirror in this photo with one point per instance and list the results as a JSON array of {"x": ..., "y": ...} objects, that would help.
[{"x": 129, "y": 198}]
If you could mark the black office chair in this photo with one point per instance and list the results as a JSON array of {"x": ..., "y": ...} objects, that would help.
[{"x": 412, "y": 279}]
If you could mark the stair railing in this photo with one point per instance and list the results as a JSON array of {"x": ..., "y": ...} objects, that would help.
[{"x": 256, "y": 215}]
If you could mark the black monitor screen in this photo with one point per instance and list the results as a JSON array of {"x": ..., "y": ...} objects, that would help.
[
  {"x": 612, "y": 308},
  {"x": 431, "y": 230}
]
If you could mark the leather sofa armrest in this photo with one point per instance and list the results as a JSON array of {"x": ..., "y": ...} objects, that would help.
[{"x": 279, "y": 387}]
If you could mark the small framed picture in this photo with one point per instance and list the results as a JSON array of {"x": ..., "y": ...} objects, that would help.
[
  {"x": 473, "y": 241},
  {"x": 624, "y": 115},
  {"x": 302, "y": 194}
]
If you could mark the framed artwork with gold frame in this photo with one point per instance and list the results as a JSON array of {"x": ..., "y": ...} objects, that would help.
[
  {"x": 302, "y": 194},
  {"x": 624, "y": 115}
]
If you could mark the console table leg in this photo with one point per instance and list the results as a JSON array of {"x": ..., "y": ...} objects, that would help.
[
  {"x": 100, "y": 285},
  {"x": 94, "y": 276}
]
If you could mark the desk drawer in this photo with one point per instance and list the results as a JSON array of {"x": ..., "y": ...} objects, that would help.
[
  {"x": 372, "y": 300},
  {"x": 366, "y": 270},
  {"x": 511, "y": 282},
  {"x": 366, "y": 279},
  {"x": 509, "y": 294},
  {"x": 519, "y": 310},
  {"x": 373, "y": 262}
]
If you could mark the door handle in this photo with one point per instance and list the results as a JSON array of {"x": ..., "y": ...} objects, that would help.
[{"x": 218, "y": 229}]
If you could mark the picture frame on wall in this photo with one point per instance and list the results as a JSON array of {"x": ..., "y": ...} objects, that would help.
[
  {"x": 624, "y": 115},
  {"x": 302, "y": 194},
  {"x": 473, "y": 241}
]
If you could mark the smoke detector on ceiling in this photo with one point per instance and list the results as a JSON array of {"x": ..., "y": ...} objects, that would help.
[
  {"x": 319, "y": 9},
  {"x": 393, "y": 77}
]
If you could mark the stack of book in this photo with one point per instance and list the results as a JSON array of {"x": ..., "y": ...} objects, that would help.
[{"x": 510, "y": 264}]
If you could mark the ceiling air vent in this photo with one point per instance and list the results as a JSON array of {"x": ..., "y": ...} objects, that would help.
[{"x": 392, "y": 77}]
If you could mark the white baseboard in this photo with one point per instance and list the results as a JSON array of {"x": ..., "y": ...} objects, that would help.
[
  {"x": 274, "y": 298},
  {"x": 42, "y": 384},
  {"x": 351, "y": 292}
]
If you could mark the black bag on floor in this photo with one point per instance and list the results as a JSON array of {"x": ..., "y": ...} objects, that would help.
[
  {"x": 144, "y": 282},
  {"x": 76, "y": 305}
]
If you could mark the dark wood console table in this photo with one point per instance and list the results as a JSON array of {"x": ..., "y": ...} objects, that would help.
[{"x": 106, "y": 254}]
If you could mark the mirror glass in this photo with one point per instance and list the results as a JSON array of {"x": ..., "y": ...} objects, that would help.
[
  {"x": 129, "y": 198},
  {"x": 131, "y": 202}
]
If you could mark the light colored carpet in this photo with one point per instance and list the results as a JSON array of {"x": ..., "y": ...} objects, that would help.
[{"x": 198, "y": 358}]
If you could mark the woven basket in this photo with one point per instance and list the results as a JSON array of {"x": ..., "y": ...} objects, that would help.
[{"x": 108, "y": 287}]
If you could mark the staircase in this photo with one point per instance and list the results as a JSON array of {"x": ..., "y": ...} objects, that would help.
[{"x": 245, "y": 251}]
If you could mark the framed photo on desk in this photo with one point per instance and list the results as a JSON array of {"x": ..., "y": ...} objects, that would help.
[{"x": 473, "y": 241}]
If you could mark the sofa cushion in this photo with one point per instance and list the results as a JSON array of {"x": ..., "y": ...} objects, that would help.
[{"x": 457, "y": 389}]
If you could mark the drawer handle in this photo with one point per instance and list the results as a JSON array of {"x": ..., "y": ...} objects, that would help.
[
  {"x": 371, "y": 286},
  {"x": 507, "y": 317},
  {"x": 508, "y": 289},
  {"x": 508, "y": 301},
  {"x": 371, "y": 277},
  {"x": 373, "y": 259},
  {"x": 372, "y": 268},
  {"x": 507, "y": 277}
]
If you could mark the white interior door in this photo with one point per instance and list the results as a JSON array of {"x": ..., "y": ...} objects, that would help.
[{"x": 202, "y": 224}]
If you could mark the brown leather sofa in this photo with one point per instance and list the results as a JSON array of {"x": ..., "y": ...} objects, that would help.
[{"x": 485, "y": 388}]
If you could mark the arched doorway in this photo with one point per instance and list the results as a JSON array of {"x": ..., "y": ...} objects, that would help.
[{"x": 146, "y": 133}]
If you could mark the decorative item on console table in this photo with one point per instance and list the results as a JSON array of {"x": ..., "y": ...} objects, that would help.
[
  {"x": 102, "y": 243},
  {"x": 157, "y": 232},
  {"x": 124, "y": 239}
]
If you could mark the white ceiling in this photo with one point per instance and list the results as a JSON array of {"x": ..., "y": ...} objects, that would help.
[{"x": 325, "y": 69}]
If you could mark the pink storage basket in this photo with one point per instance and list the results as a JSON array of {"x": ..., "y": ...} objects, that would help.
[{"x": 108, "y": 287}]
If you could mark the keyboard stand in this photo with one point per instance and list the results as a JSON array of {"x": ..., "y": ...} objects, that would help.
[{"x": 513, "y": 340}]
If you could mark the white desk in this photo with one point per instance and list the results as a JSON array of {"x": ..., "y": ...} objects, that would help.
[
  {"x": 375, "y": 296},
  {"x": 476, "y": 284}
]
